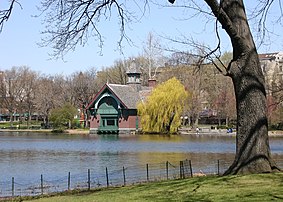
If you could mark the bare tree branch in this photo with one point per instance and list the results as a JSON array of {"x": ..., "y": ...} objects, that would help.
[
  {"x": 71, "y": 23},
  {"x": 6, "y": 13},
  {"x": 260, "y": 15}
]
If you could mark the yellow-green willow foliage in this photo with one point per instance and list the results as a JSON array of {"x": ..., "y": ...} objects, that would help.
[{"x": 161, "y": 111}]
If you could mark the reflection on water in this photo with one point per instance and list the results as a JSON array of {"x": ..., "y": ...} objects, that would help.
[{"x": 26, "y": 156}]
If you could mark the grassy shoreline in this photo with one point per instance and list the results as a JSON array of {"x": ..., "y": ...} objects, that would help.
[{"x": 256, "y": 187}]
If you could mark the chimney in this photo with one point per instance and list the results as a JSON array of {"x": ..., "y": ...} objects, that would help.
[{"x": 151, "y": 83}]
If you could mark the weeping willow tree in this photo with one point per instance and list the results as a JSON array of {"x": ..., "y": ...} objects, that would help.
[{"x": 162, "y": 110}]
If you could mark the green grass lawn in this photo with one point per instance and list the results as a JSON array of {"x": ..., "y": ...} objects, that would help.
[{"x": 260, "y": 187}]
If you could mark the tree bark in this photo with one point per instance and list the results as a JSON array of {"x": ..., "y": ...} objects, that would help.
[{"x": 252, "y": 144}]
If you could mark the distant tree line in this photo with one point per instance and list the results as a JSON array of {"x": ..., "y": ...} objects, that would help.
[
  {"x": 29, "y": 93},
  {"x": 26, "y": 92}
]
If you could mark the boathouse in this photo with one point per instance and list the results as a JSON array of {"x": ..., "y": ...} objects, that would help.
[{"x": 113, "y": 110}]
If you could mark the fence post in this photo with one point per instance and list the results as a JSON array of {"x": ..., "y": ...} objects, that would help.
[
  {"x": 191, "y": 169},
  {"x": 41, "y": 183},
  {"x": 13, "y": 186},
  {"x": 107, "y": 179},
  {"x": 218, "y": 167},
  {"x": 167, "y": 170},
  {"x": 181, "y": 169},
  {"x": 147, "y": 172},
  {"x": 124, "y": 176},
  {"x": 69, "y": 181},
  {"x": 88, "y": 178}
]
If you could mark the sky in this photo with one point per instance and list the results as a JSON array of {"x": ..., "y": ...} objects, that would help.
[{"x": 22, "y": 33}]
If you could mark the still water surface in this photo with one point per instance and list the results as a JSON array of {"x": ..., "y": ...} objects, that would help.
[{"x": 26, "y": 156}]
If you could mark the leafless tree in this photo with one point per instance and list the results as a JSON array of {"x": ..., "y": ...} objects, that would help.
[
  {"x": 113, "y": 74},
  {"x": 28, "y": 82},
  {"x": 50, "y": 93},
  {"x": 252, "y": 148},
  {"x": 7, "y": 94},
  {"x": 153, "y": 54},
  {"x": 275, "y": 98},
  {"x": 82, "y": 88},
  {"x": 15, "y": 89}
]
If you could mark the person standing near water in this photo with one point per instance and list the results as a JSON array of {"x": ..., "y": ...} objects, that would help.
[{"x": 197, "y": 130}]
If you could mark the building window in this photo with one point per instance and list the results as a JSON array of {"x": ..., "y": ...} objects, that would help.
[{"x": 110, "y": 122}]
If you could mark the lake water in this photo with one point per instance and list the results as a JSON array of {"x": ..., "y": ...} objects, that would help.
[{"x": 25, "y": 156}]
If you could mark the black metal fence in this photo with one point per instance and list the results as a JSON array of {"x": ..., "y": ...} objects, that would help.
[{"x": 118, "y": 177}]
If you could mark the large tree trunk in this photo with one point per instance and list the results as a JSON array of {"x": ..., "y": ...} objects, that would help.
[{"x": 252, "y": 145}]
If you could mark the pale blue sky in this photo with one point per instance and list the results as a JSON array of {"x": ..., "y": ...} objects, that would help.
[{"x": 21, "y": 33}]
